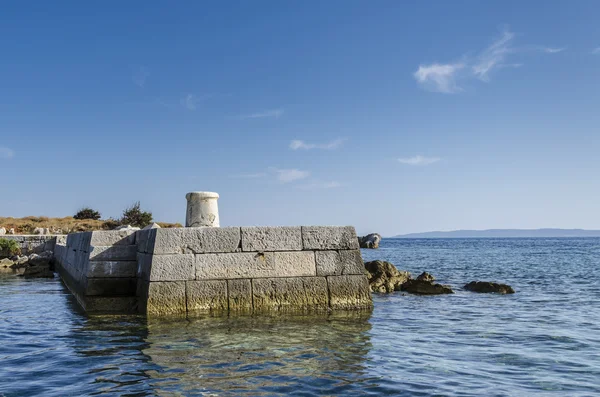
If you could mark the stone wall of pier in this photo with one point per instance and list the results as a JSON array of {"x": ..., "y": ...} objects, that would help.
[
  {"x": 210, "y": 270},
  {"x": 33, "y": 244}
]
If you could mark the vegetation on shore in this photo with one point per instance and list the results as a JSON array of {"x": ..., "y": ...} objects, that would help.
[{"x": 85, "y": 220}]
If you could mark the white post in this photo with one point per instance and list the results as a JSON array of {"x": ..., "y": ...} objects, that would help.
[{"x": 202, "y": 209}]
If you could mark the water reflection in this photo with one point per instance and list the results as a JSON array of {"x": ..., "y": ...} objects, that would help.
[{"x": 259, "y": 355}]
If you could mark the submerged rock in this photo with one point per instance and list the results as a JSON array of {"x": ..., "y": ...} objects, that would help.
[
  {"x": 489, "y": 287},
  {"x": 384, "y": 277},
  {"x": 422, "y": 287},
  {"x": 39, "y": 271},
  {"x": 370, "y": 241},
  {"x": 6, "y": 263},
  {"x": 426, "y": 277}
]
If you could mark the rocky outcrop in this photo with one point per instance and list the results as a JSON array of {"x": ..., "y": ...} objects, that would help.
[
  {"x": 34, "y": 265},
  {"x": 489, "y": 287},
  {"x": 423, "y": 287},
  {"x": 2, "y": 231},
  {"x": 370, "y": 241},
  {"x": 384, "y": 277},
  {"x": 426, "y": 277}
]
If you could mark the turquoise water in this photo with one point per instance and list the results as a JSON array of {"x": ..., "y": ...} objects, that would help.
[{"x": 544, "y": 340}]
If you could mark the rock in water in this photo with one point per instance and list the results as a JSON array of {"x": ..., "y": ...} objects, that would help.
[
  {"x": 370, "y": 241},
  {"x": 422, "y": 287},
  {"x": 426, "y": 277},
  {"x": 39, "y": 271},
  {"x": 487, "y": 287},
  {"x": 384, "y": 277}
]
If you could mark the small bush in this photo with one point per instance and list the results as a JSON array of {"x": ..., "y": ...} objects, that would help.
[
  {"x": 87, "y": 213},
  {"x": 134, "y": 216},
  {"x": 111, "y": 224},
  {"x": 9, "y": 247}
]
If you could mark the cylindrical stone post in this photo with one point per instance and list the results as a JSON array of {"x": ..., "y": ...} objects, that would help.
[{"x": 202, "y": 209}]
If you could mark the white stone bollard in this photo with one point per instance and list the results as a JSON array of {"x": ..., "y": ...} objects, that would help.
[{"x": 202, "y": 209}]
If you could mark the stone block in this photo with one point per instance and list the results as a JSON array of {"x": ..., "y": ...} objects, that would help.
[
  {"x": 255, "y": 265},
  {"x": 105, "y": 304},
  {"x": 145, "y": 240},
  {"x": 194, "y": 240},
  {"x": 317, "y": 293},
  {"x": 113, "y": 253},
  {"x": 281, "y": 238},
  {"x": 239, "y": 292},
  {"x": 166, "y": 298},
  {"x": 111, "y": 287},
  {"x": 112, "y": 237},
  {"x": 349, "y": 292},
  {"x": 144, "y": 262},
  {"x": 329, "y": 238},
  {"x": 112, "y": 269},
  {"x": 206, "y": 296},
  {"x": 331, "y": 263},
  {"x": 282, "y": 294},
  {"x": 171, "y": 267}
]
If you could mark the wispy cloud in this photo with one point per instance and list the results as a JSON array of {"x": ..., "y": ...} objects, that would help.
[
  {"x": 250, "y": 176},
  {"x": 596, "y": 51},
  {"x": 439, "y": 77},
  {"x": 189, "y": 102},
  {"x": 290, "y": 175},
  {"x": 419, "y": 160},
  {"x": 493, "y": 56},
  {"x": 140, "y": 76},
  {"x": 275, "y": 113},
  {"x": 320, "y": 185},
  {"x": 447, "y": 77},
  {"x": 298, "y": 144},
  {"x": 550, "y": 50},
  {"x": 6, "y": 153}
]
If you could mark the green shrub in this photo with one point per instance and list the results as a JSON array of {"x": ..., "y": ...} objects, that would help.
[
  {"x": 111, "y": 224},
  {"x": 134, "y": 216},
  {"x": 9, "y": 247},
  {"x": 87, "y": 213}
]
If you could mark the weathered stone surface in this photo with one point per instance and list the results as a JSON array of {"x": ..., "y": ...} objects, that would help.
[
  {"x": 329, "y": 238},
  {"x": 421, "y": 287},
  {"x": 127, "y": 228},
  {"x": 206, "y": 296},
  {"x": 317, "y": 293},
  {"x": 426, "y": 277},
  {"x": 195, "y": 240},
  {"x": 106, "y": 304},
  {"x": 280, "y": 238},
  {"x": 487, "y": 287},
  {"x": 111, "y": 287},
  {"x": 113, "y": 253},
  {"x": 349, "y": 292},
  {"x": 166, "y": 298},
  {"x": 330, "y": 263},
  {"x": 384, "y": 277},
  {"x": 38, "y": 271},
  {"x": 152, "y": 226},
  {"x": 278, "y": 294},
  {"x": 255, "y": 265},
  {"x": 370, "y": 241},
  {"x": 145, "y": 240},
  {"x": 240, "y": 294},
  {"x": 112, "y": 269},
  {"x": 172, "y": 267},
  {"x": 6, "y": 263},
  {"x": 112, "y": 237},
  {"x": 2, "y": 231},
  {"x": 202, "y": 209}
]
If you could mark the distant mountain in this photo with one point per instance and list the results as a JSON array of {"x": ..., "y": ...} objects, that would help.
[{"x": 499, "y": 233}]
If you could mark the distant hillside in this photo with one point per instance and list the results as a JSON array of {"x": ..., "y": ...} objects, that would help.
[{"x": 499, "y": 233}]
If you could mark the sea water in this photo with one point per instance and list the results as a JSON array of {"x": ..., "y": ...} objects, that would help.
[{"x": 544, "y": 340}]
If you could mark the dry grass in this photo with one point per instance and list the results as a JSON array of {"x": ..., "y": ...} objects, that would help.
[{"x": 62, "y": 225}]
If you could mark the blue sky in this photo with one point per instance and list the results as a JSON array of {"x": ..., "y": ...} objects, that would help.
[{"x": 391, "y": 116}]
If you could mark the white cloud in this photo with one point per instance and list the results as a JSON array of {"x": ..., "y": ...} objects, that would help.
[
  {"x": 439, "y": 77},
  {"x": 298, "y": 144},
  {"x": 419, "y": 160},
  {"x": 596, "y": 51},
  {"x": 189, "y": 102},
  {"x": 251, "y": 175},
  {"x": 140, "y": 76},
  {"x": 493, "y": 56},
  {"x": 6, "y": 153},
  {"x": 550, "y": 50},
  {"x": 321, "y": 185},
  {"x": 276, "y": 113},
  {"x": 290, "y": 175}
]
